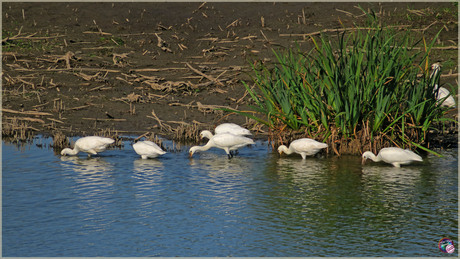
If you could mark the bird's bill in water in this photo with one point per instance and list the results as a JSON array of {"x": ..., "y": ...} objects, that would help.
[
  {"x": 363, "y": 161},
  {"x": 190, "y": 154},
  {"x": 280, "y": 152}
]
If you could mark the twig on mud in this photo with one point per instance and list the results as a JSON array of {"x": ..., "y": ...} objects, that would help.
[
  {"x": 304, "y": 35},
  {"x": 166, "y": 126},
  {"x": 34, "y": 113},
  {"x": 80, "y": 107},
  {"x": 28, "y": 119},
  {"x": 210, "y": 39},
  {"x": 345, "y": 12},
  {"x": 96, "y": 48},
  {"x": 201, "y": 5},
  {"x": 97, "y": 32},
  {"x": 101, "y": 87},
  {"x": 40, "y": 105},
  {"x": 233, "y": 23},
  {"x": 124, "y": 80},
  {"x": 98, "y": 119},
  {"x": 426, "y": 28},
  {"x": 55, "y": 120},
  {"x": 162, "y": 44},
  {"x": 88, "y": 77},
  {"x": 66, "y": 69},
  {"x": 29, "y": 37},
  {"x": 202, "y": 74},
  {"x": 156, "y": 69}
]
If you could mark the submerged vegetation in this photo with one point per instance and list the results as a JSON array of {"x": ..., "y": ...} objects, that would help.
[{"x": 370, "y": 88}]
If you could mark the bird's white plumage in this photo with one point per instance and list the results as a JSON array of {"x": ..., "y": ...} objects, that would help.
[
  {"x": 442, "y": 94},
  {"x": 225, "y": 141},
  {"x": 304, "y": 146},
  {"x": 232, "y": 128},
  {"x": 91, "y": 145},
  {"x": 393, "y": 155},
  {"x": 206, "y": 134},
  {"x": 148, "y": 149}
]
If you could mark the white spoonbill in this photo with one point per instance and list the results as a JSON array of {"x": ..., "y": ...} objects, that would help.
[
  {"x": 232, "y": 128},
  {"x": 91, "y": 145},
  {"x": 304, "y": 146},
  {"x": 225, "y": 141},
  {"x": 393, "y": 155},
  {"x": 147, "y": 149},
  {"x": 441, "y": 92},
  {"x": 208, "y": 134}
]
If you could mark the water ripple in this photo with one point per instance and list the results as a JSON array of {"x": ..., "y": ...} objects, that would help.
[{"x": 256, "y": 204}]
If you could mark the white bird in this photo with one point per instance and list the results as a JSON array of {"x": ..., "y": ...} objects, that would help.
[
  {"x": 304, "y": 146},
  {"x": 147, "y": 149},
  {"x": 207, "y": 134},
  {"x": 91, "y": 145},
  {"x": 232, "y": 128},
  {"x": 441, "y": 92},
  {"x": 225, "y": 141},
  {"x": 393, "y": 155}
]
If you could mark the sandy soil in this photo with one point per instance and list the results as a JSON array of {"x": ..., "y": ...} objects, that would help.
[{"x": 80, "y": 68}]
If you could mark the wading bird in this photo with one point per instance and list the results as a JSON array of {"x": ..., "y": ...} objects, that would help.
[
  {"x": 304, "y": 146},
  {"x": 441, "y": 92},
  {"x": 232, "y": 128},
  {"x": 226, "y": 141},
  {"x": 147, "y": 149},
  {"x": 91, "y": 145},
  {"x": 393, "y": 155}
]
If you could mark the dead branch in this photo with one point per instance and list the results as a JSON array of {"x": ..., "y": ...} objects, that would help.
[
  {"x": 30, "y": 37},
  {"x": 202, "y": 74},
  {"x": 162, "y": 126},
  {"x": 27, "y": 119},
  {"x": 162, "y": 44},
  {"x": 335, "y": 30},
  {"x": 156, "y": 69},
  {"x": 98, "y": 119},
  {"x": 80, "y": 107},
  {"x": 34, "y": 113},
  {"x": 55, "y": 120}
]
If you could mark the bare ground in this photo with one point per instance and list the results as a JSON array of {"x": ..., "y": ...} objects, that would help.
[{"x": 131, "y": 68}]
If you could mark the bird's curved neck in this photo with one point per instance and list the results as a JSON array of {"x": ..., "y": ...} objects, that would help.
[
  {"x": 72, "y": 152},
  {"x": 205, "y": 147},
  {"x": 375, "y": 158},
  {"x": 287, "y": 150}
]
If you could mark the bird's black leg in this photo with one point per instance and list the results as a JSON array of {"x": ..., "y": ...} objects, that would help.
[{"x": 230, "y": 155}]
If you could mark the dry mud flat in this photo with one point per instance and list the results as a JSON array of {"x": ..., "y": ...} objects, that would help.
[{"x": 131, "y": 68}]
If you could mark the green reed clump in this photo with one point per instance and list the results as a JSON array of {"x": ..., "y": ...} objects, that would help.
[{"x": 362, "y": 86}]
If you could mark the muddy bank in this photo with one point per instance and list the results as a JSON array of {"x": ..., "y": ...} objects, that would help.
[{"x": 167, "y": 68}]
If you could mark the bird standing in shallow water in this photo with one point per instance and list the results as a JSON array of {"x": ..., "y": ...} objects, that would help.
[
  {"x": 232, "y": 128},
  {"x": 304, "y": 146},
  {"x": 148, "y": 149},
  {"x": 225, "y": 141},
  {"x": 393, "y": 155},
  {"x": 91, "y": 145}
]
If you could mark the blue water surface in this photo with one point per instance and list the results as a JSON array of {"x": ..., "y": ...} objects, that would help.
[{"x": 256, "y": 204}]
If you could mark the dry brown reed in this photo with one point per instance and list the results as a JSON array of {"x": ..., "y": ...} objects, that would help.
[
  {"x": 60, "y": 140},
  {"x": 16, "y": 130}
]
